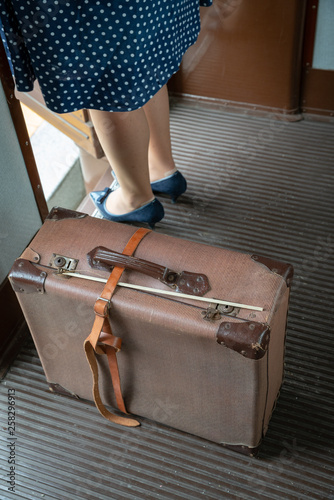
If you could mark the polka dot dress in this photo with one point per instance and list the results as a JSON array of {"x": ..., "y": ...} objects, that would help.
[{"x": 98, "y": 54}]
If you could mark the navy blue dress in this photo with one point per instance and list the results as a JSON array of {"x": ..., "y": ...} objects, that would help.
[{"x": 112, "y": 55}]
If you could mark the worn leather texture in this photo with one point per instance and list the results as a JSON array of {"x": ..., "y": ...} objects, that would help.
[{"x": 172, "y": 369}]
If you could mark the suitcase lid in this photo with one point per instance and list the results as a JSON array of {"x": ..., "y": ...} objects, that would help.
[{"x": 67, "y": 238}]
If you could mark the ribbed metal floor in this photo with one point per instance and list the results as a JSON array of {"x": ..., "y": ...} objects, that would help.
[{"x": 256, "y": 185}]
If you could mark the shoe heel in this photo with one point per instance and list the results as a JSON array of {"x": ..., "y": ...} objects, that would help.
[{"x": 173, "y": 186}]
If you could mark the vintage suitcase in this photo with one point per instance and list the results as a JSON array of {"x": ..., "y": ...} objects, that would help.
[{"x": 207, "y": 368}]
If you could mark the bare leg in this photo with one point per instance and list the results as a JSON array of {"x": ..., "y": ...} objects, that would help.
[
  {"x": 161, "y": 161},
  {"x": 125, "y": 140}
]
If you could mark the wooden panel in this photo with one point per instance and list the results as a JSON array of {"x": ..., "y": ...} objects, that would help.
[
  {"x": 76, "y": 125},
  {"x": 318, "y": 92},
  {"x": 248, "y": 53}
]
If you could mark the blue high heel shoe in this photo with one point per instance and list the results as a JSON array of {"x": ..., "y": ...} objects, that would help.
[
  {"x": 174, "y": 185},
  {"x": 151, "y": 213}
]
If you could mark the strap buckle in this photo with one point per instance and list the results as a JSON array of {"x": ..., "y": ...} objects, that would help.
[{"x": 101, "y": 307}]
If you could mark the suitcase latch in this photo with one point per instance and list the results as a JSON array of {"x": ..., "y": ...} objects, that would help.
[
  {"x": 216, "y": 311},
  {"x": 61, "y": 262}
]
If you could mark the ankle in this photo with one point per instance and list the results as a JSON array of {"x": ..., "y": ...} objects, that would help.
[
  {"x": 138, "y": 199},
  {"x": 119, "y": 202},
  {"x": 160, "y": 171}
]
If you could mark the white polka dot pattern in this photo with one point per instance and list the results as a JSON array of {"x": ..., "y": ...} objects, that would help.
[{"x": 109, "y": 55}]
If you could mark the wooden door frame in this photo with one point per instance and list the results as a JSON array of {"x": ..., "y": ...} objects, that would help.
[
  {"x": 317, "y": 97},
  {"x": 13, "y": 327},
  {"x": 15, "y": 110}
]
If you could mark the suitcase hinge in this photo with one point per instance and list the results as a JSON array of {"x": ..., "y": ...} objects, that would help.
[{"x": 26, "y": 277}]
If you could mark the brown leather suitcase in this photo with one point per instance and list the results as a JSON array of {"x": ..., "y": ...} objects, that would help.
[{"x": 202, "y": 328}]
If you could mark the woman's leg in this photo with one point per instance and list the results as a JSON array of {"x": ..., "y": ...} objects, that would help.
[
  {"x": 125, "y": 140},
  {"x": 160, "y": 157}
]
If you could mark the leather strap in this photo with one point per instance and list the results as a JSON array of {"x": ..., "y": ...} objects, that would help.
[{"x": 102, "y": 341}]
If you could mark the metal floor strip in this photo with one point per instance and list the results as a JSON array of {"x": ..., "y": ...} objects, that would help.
[{"x": 256, "y": 185}]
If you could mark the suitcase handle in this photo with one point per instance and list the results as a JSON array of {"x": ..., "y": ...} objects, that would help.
[{"x": 185, "y": 282}]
